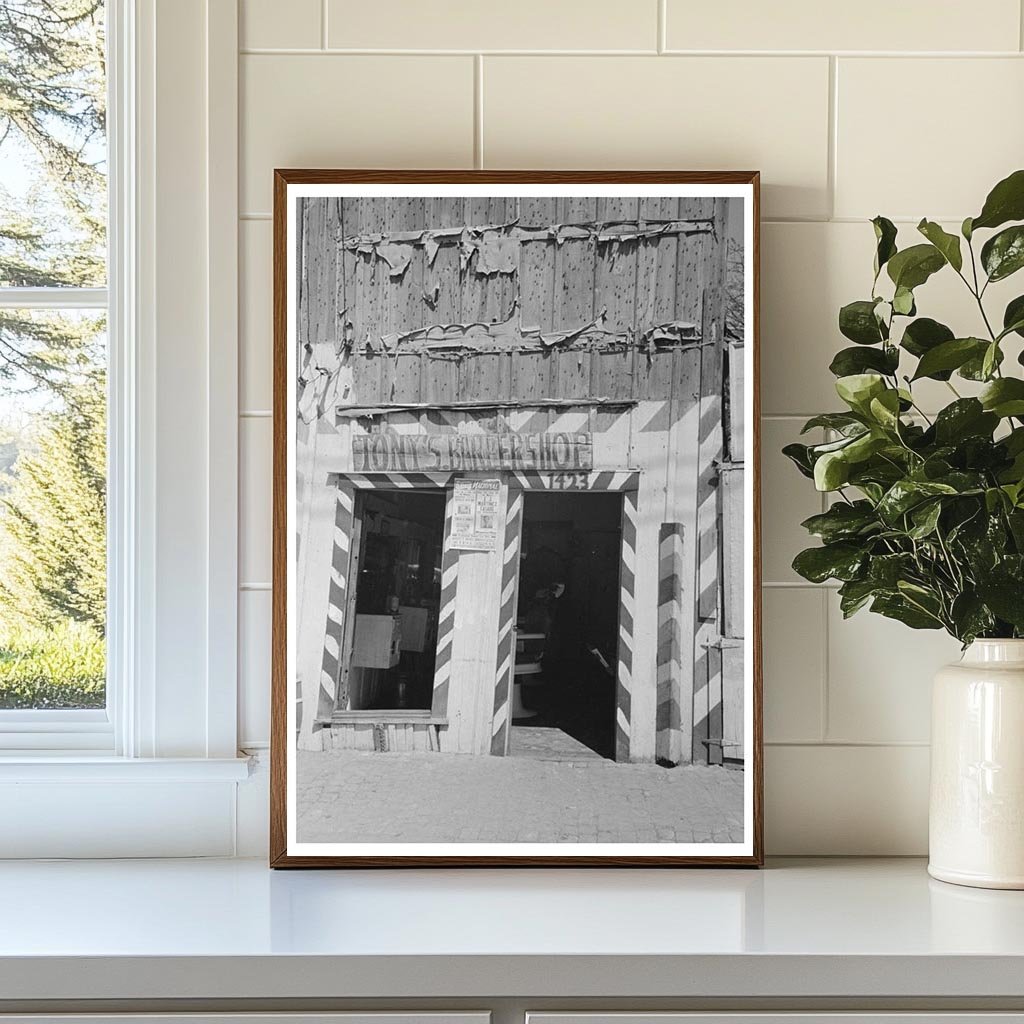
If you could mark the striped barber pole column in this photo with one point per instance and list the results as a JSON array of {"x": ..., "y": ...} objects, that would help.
[
  {"x": 627, "y": 583},
  {"x": 505, "y": 669},
  {"x": 334, "y": 631},
  {"x": 445, "y": 619},
  {"x": 668, "y": 744}
]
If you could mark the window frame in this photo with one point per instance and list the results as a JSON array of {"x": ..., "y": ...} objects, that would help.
[
  {"x": 151, "y": 125},
  {"x": 93, "y": 729}
]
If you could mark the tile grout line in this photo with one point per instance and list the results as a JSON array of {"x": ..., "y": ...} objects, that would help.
[
  {"x": 323, "y": 25},
  {"x": 1020, "y": 25},
  {"x": 369, "y": 51},
  {"x": 828, "y": 585},
  {"x": 824, "y": 714},
  {"x": 854, "y": 744},
  {"x": 478, "y": 111},
  {"x": 662, "y": 42},
  {"x": 831, "y": 171},
  {"x": 826, "y": 647}
]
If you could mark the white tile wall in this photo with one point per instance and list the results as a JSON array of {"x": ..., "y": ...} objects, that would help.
[
  {"x": 472, "y": 25},
  {"x": 906, "y": 109},
  {"x": 271, "y": 23},
  {"x": 698, "y": 113},
  {"x": 944, "y": 104},
  {"x": 254, "y": 500},
  {"x": 333, "y": 110},
  {"x": 253, "y": 665},
  {"x": 871, "y": 25},
  {"x": 255, "y": 357}
]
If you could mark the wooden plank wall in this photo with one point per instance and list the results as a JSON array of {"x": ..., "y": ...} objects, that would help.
[{"x": 564, "y": 277}]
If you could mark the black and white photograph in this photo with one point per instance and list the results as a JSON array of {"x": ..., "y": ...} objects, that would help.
[{"x": 515, "y": 550}]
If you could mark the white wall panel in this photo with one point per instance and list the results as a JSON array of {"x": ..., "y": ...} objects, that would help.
[
  {"x": 273, "y": 23},
  {"x": 685, "y": 113},
  {"x": 951, "y": 103},
  {"x": 255, "y": 355},
  {"x": 471, "y": 25},
  {"x": 874, "y": 25},
  {"x": 351, "y": 111},
  {"x": 255, "y": 508}
]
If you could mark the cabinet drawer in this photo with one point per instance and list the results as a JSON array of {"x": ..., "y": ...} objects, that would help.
[
  {"x": 358, "y": 1017},
  {"x": 790, "y": 1017}
]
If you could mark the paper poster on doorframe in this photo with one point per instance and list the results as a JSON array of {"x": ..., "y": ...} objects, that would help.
[
  {"x": 515, "y": 459},
  {"x": 475, "y": 515}
]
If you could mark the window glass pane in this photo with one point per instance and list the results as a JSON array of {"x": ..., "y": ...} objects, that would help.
[
  {"x": 52, "y": 509},
  {"x": 53, "y": 153}
]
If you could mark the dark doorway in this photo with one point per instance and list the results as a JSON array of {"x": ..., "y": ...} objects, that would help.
[
  {"x": 567, "y": 622},
  {"x": 396, "y": 575}
]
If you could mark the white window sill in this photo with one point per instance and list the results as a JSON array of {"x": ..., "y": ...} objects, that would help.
[{"x": 81, "y": 767}]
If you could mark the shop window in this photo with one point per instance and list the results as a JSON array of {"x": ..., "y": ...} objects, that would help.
[{"x": 397, "y": 578}]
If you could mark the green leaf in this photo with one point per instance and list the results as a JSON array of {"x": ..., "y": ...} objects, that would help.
[
  {"x": 799, "y": 455},
  {"x": 925, "y": 518},
  {"x": 1003, "y": 254},
  {"x": 964, "y": 481},
  {"x": 947, "y": 244},
  {"x": 949, "y": 355},
  {"x": 995, "y": 499},
  {"x": 831, "y": 471},
  {"x": 991, "y": 360},
  {"x": 974, "y": 368},
  {"x": 906, "y": 494},
  {"x": 966, "y": 417},
  {"x": 854, "y": 595},
  {"x": 840, "y": 561},
  {"x": 843, "y": 521},
  {"x": 912, "y": 267},
  {"x": 924, "y": 334},
  {"x": 1005, "y": 202},
  {"x": 887, "y": 570},
  {"x": 885, "y": 238},
  {"x": 858, "y": 389},
  {"x": 841, "y": 421},
  {"x": 866, "y": 445},
  {"x": 897, "y": 607},
  {"x": 885, "y": 409},
  {"x": 1013, "y": 317},
  {"x": 1005, "y": 596},
  {"x": 903, "y": 302},
  {"x": 857, "y": 321},
  {"x": 971, "y": 617},
  {"x": 965, "y": 229},
  {"x": 849, "y": 361},
  {"x": 1004, "y": 397}
]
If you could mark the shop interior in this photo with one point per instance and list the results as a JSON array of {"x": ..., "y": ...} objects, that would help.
[
  {"x": 567, "y": 626},
  {"x": 398, "y": 589}
]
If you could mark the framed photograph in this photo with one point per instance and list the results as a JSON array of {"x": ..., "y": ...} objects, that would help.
[{"x": 516, "y": 560}]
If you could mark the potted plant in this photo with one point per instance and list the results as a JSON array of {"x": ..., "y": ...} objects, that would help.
[{"x": 926, "y": 519}]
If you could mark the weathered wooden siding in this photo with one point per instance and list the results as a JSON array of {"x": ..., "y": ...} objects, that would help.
[{"x": 452, "y": 299}]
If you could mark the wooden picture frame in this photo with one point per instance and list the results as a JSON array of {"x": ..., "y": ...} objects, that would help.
[{"x": 490, "y": 380}]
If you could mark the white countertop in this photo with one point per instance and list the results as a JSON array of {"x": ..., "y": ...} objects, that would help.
[{"x": 234, "y": 929}]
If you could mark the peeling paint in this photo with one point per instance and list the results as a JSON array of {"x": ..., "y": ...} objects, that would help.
[{"x": 497, "y": 246}]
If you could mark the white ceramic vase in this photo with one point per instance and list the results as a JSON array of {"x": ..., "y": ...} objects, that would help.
[{"x": 976, "y": 816}]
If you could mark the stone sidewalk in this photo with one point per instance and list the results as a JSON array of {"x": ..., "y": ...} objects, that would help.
[{"x": 355, "y": 796}]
